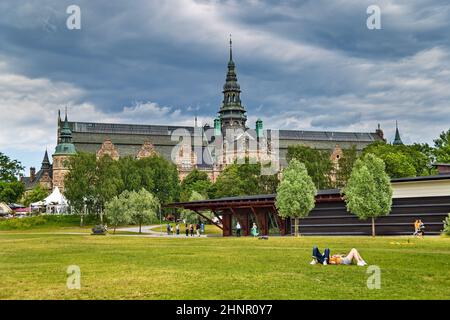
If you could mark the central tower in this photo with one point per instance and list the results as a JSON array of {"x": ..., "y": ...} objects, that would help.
[{"x": 232, "y": 112}]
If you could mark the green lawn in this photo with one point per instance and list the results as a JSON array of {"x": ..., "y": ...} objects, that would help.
[{"x": 34, "y": 266}]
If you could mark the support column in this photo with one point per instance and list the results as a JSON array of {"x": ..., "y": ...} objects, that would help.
[
  {"x": 281, "y": 222},
  {"x": 226, "y": 223},
  {"x": 243, "y": 221}
]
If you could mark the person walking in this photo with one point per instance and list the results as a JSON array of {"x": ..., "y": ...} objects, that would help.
[
  {"x": 202, "y": 228},
  {"x": 197, "y": 229},
  {"x": 187, "y": 230},
  {"x": 191, "y": 228},
  {"x": 168, "y": 229},
  {"x": 178, "y": 229},
  {"x": 238, "y": 229}
]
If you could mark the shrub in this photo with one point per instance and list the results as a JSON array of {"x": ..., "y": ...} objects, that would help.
[
  {"x": 45, "y": 221},
  {"x": 447, "y": 225}
]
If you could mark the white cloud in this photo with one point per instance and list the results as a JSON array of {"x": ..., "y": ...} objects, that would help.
[{"x": 28, "y": 109}]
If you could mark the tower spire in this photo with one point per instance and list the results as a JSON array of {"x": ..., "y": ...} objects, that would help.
[
  {"x": 397, "y": 140},
  {"x": 231, "y": 49},
  {"x": 232, "y": 112}
]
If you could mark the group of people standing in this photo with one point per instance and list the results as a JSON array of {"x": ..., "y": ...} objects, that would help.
[
  {"x": 254, "y": 230},
  {"x": 190, "y": 229}
]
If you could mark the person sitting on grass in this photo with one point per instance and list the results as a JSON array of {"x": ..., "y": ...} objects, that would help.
[{"x": 336, "y": 259}]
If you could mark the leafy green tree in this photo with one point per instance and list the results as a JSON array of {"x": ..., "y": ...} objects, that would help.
[
  {"x": 116, "y": 210},
  {"x": 81, "y": 181},
  {"x": 399, "y": 165},
  {"x": 244, "y": 179},
  {"x": 442, "y": 147},
  {"x": 160, "y": 177},
  {"x": 130, "y": 174},
  {"x": 229, "y": 183},
  {"x": 368, "y": 193},
  {"x": 11, "y": 192},
  {"x": 345, "y": 165},
  {"x": 191, "y": 216},
  {"x": 142, "y": 207},
  {"x": 197, "y": 181},
  {"x": 9, "y": 169},
  {"x": 35, "y": 195},
  {"x": 296, "y": 192},
  {"x": 317, "y": 162},
  {"x": 401, "y": 161},
  {"x": 108, "y": 183}
]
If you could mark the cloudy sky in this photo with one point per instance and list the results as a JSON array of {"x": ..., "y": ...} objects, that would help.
[{"x": 301, "y": 65}]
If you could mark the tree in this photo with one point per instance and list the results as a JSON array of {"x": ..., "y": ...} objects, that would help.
[
  {"x": 11, "y": 192},
  {"x": 80, "y": 182},
  {"x": 345, "y": 166},
  {"x": 116, "y": 210},
  {"x": 442, "y": 147},
  {"x": 9, "y": 169},
  {"x": 130, "y": 174},
  {"x": 197, "y": 181},
  {"x": 368, "y": 193},
  {"x": 317, "y": 162},
  {"x": 296, "y": 192},
  {"x": 108, "y": 181},
  {"x": 142, "y": 207},
  {"x": 401, "y": 160},
  {"x": 160, "y": 177},
  {"x": 189, "y": 215},
  {"x": 35, "y": 195},
  {"x": 244, "y": 179}
]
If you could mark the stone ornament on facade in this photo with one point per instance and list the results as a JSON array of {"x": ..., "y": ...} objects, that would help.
[
  {"x": 147, "y": 150},
  {"x": 109, "y": 149}
]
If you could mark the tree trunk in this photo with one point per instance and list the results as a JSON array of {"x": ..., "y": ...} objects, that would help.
[
  {"x": 114, "y": 232},
  {"x": 140, "y": 223},
  {"x": 373, "y": 227},
  {"x": 81, "y": 220},
  {"x": 296, "y": 227}
]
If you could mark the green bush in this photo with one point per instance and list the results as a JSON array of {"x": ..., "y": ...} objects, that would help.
[
  {"x": 46, "y": 221},
  {"x": 447, "y": 225}
]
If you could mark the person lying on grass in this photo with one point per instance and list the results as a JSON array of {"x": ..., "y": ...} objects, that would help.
[{"x": 336, "y": 259}]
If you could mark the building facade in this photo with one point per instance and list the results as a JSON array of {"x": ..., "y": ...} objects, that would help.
[{"x": 209, "y": 149}]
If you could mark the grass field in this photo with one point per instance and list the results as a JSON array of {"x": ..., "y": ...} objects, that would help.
[{"x": 33, "y": 266}]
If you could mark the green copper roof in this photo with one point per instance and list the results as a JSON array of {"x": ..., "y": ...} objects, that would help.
[
  {"x": 397, "y": 140},
  {"x": 232, "y": 107},
  {"x": 65, "y": 147}
]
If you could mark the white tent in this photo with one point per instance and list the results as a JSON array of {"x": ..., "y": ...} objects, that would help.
[{"x": 56, "y": 202}]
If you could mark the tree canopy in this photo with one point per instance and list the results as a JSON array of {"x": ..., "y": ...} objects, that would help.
[
  {"x": 368, "y": 193},
  {"x": 9, "y": 169},
  {"x": 442, "y": 147},
  {"x": 401, "y": 160},
  {"x": 93, "y": 182},
  {"x": 296, "y": 192},
  {"x": 317, "y": 162},
  {"x": 35, "y": 195},
  {"x": 243, "y": 179}
]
